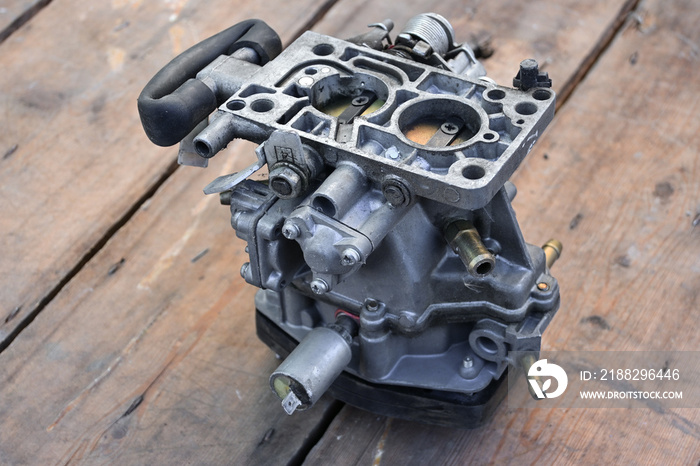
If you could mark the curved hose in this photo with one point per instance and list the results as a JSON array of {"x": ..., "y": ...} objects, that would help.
[{"x": 173, "y": 102}]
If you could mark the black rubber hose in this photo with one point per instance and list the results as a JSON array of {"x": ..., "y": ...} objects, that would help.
[{"x": 173, "y": 102}]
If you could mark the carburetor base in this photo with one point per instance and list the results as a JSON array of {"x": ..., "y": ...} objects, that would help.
[{"x": 437, "y": 407}]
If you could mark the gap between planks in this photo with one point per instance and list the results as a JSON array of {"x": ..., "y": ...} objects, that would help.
[
  {"x": 23, "y": 19},
  {"x": 7, "y": 340},
  {"x": 600, "y": 48}
]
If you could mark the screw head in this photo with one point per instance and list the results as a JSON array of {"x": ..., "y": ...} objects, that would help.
[
  {"x": 244, "y": 269},
  {"x": 449, "y": 128},
  {"x": 350, "y": 257},
  {"x": 290, "y": 231},
  {"x": 319, "y": 286},
  {"x": 372, "y": 304},
  {"x": 360, "y": 101}
]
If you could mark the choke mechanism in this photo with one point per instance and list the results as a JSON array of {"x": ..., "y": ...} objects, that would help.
[{"x": 392, "y": 271}]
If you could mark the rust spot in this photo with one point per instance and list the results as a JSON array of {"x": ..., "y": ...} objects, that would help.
[{"x": 596, "y": 321}]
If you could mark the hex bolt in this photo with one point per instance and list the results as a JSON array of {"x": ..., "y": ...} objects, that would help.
[
  {"x": 290, "y": 231},
  {"x": 319, "y": 286},
  {"x": 467, "y": 362},
  {"x": 350, "y": 257}
]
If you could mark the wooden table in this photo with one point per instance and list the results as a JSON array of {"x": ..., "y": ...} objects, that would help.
[{"x": 127, "y": 334}]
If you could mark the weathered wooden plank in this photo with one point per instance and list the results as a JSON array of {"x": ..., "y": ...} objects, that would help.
[
  {"x": 617, "y": 179},
  {"x": 73, "y": 159},
  {"x": 149, "y": 355},
  {"x": 15, "y": 13}
]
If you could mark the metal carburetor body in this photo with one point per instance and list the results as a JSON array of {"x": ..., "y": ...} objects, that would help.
[{"x": 389, "y": 260}]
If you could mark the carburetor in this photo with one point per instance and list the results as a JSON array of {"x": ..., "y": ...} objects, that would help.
[{"x": 391, "y": 268}]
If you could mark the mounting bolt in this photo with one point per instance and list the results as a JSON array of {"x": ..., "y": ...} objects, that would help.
[
  {"x": 286, "y": 182},
  {"x": 396, "y": 192},
  {"x": 244, "y": 269},
  {"x": 350, "y": 257},
  {"x": 290, "y": 231},
  {"x": 467, "y": 362},
  {"x": 319, "y": 286}
]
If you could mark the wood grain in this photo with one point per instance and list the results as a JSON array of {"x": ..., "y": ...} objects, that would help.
[
  {"x": 617, "y": 179},
  {"x": 73, "y": 157}
]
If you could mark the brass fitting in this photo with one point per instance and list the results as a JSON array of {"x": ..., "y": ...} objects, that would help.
[
  {"x": 526, "y": 362},
  {"x": 463, "y": 238},
  {"x": 552, "y": 251}
]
